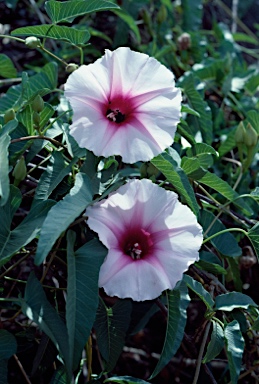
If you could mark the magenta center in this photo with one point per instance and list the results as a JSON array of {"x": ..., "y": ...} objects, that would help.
[
  {"x": 137, "y": 243},
  {"x": 118, "y": 109}
]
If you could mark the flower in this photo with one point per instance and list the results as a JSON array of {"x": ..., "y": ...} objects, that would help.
[
  {"x": 151, "y": 238},
  {"x": 124, "y": 104}
]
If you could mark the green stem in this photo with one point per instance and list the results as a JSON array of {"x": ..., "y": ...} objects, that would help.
[
  {"x": 13, "y": 38},
  {"x": 201, "y": 351},
  {"x": 225, "y": 231},
  {"x": 53, "y": 55}
]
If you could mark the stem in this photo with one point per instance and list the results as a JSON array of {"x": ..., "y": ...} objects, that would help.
[
  {"x": 225, "y": 231},
  {"x": 53, "y": 55},
  {"x": 13, "y": 38},
  {"x": 22, "y": 370},
  {"x": 36, "y": 137},
  {"x": 199, "y": 360}
]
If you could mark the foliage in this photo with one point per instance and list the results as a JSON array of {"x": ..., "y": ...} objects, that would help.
[{"x": 49, "y": 258}]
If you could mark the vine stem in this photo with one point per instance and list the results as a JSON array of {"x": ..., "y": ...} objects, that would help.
[
  {"x": 225, "y": 231},
  {"x": 36, "y": 137},
  {"x": 199, "y": 360}
]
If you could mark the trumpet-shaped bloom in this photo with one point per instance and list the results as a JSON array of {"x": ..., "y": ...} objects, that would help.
[
  {"x": 151, "y": 238},
  {"x": 124, "y": 104}
]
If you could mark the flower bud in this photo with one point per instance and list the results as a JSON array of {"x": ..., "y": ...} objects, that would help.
[
  {"x": 9, "y": 115},
  {"x": 32, "y": 42},
  {"x": 36, "y": 118},
  {"x": 184, "y": 41},
  {"x": 251, "y": 136},
  {"x": 71, "y": 67},
  {"x": 162, "y": 14},
  {"x": 20, "y": 170},
  {"x": 37, "y": 104},
  {"x": 240, "y": 133}
]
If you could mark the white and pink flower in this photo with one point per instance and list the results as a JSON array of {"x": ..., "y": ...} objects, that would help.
[
  {"x": 151, "y": 238},
  {"x": 124, "y": 104}
]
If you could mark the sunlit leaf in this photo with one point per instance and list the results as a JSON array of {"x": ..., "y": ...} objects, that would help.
[
  {"x": 175, "y": 175},
  {"x": 197, "y": 287},
  {"x": 7, "y": 69},
  {"x": 67, "y": 11},
  {"x": 177, "y": 301},
  {"x": 232, "y": 300},
  {"x": 125, "y": 380},
  {"x": 69, "y": 34}
]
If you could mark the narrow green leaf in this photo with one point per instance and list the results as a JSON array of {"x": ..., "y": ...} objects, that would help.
[
  {"x": 221, "y": 186},
  {"x": 232, "y": 300},
  {"x": 57, "y": 32},
  {"x": 52, "y": 176},
  {"x": 8, "y": 347},
  {"x": 192, "y": 15},
  {"x": 7, "y": 69},
  {"x": 69, "y": 10},
  {"x": 4, "y": 174},
  {"x": 234, "y": 347},
  {"x": 225, "y": 243},
  {"x": 175, "y": 175},
  {"x": 38, "y": 309},
  {"x": 125, "y": 380},
  {"x": 178, "y": 301},
  {"x": 12, "y": 240},
  {"x": 187, "y": 109},
  {"x": 200, "y": 149},
  {"x": 63, "y": 214},
  {"x": 253, "y": 235},
  {"x": 41, "y": 83},
  {"x": 82, "y": 292},
  {"x": 111, "y": 325},
  {"x": 128, "y": 19},
  {"x": 216, "y": 343},
  {"x": 197, "y": 102},
  {"x": 197, "y": 287}
]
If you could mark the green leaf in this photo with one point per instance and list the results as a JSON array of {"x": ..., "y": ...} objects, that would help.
[
  {"x": 7, "y": 69},
  {"x": 211, "y": 267},
  {"x": 234, "y": 348},
  {"x": 253, "y": 119},
  {"x": 8, "y": 347},
  {"x": 175, "y": 175},
  {"x": 69, "y": 10},
  {"x": 197, "y": 287},
  {"x": 41, "y": 83},
  {"x": 63, "y": 214},
  {"x": 45, "y": 355},
  {"x": 221, "y": 186},
  {"x": 128, "y": 19},
  {"x": 12, "y": 240},
  {"x": 178, "y": 301},
  {"x": 187, "y": 109},
  {"x": 244, "y": 37},
  {"x": 192, "y": 15},
  {"x": 60, "y": 376},
  {"x": 38, "y": 309},
  {"x": 225, "y": 243},
  {"x": 197, "y": 102},
  {"x": 4, "y": 174},
  {"x": 192, "y": 168},
  {"x": 216, "y": 343},
  {"x": 111, "y": 325},
  {"x": 52, "y": 176},
  {"x": 200, "y": 149},
  {"x": 232, "y": 300},
  {"x": 125, "y": 380},
  {"x": 82, "y": 292},
  {"x": 57, "y": 32},
  {"x": 253, "y": 235}
]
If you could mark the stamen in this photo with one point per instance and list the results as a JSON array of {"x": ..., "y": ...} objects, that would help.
[
  {"x": 135, "y": 251},
  {"x": 115, "y": 115}
]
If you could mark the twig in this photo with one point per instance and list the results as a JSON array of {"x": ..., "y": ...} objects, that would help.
[
  {"x": 36, "y": 137},
  {"x": 22, "y": 370}
]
